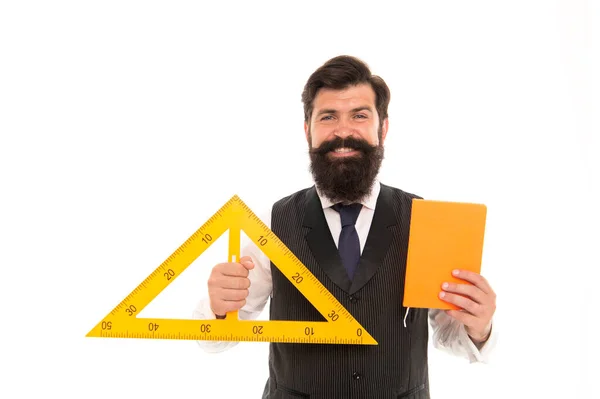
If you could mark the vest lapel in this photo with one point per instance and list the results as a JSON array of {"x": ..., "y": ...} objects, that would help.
[
  {"x": 378, "y": 240},
  {"x": 320, "y": 241}
]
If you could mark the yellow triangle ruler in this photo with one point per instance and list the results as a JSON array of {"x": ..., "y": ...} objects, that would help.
[{"x": 340, "y": 328}]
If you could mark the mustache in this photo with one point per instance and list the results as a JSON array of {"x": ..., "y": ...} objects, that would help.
[
  {"x": 338, "y": 142},
  {"x": 345, "y": 178}
]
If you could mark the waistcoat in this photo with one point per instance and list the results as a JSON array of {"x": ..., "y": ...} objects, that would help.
[{"x": 397, "y": 366}]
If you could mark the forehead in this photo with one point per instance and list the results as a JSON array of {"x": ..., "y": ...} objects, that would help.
[{"x": 348, "y": 98}]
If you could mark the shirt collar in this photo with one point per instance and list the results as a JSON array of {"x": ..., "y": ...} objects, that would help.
[{"x": 368, "y": 201}]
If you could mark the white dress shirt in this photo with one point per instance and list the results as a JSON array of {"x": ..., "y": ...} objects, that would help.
[{"x": 448, "y": 333}]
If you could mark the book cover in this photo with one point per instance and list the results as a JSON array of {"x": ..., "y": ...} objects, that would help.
[{"x": 443, "y": 236}]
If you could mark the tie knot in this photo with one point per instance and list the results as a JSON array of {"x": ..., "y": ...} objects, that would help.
[{"x": 348, "y": 213}]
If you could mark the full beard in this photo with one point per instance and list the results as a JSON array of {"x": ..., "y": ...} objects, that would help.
[{"x": 345, "y": 179}]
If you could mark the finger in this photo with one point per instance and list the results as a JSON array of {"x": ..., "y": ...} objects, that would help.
[
  {"x": 233, "y": 283},
  {"x": 469, "y": 290},
  {"x": 234, "y": 269},
  {"x": 477, "y": 279},
  {"x": 462, "y": 302},
  {"x": 464, "y": 317},
  {"x": 226, "y": 294}
]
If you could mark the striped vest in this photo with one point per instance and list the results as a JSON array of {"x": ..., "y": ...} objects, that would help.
[{"x": 397, "y": 366}]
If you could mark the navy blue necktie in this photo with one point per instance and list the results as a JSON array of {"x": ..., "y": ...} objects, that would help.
[{"x": 349, "y": 245}]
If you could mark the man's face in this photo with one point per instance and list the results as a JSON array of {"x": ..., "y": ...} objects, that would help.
[{"x": 345, "y": 139}]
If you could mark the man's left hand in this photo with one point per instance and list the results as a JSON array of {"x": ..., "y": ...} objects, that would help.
[{"x": 477, "y": 303}]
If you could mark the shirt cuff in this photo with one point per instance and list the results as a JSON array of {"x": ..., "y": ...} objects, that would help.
[
  {"x": 483, "y": 354},
  {"x": 204, "y": 312}
]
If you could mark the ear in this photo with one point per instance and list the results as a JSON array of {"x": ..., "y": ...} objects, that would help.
[
  {"x": 384, "y": 130},
  {"x": 306, "y": 127}
]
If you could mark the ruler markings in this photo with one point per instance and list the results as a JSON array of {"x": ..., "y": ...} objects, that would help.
[{"x": 340, "y": 327}]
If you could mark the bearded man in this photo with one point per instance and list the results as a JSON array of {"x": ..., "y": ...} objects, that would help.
[{"x": 351, "y": 231}]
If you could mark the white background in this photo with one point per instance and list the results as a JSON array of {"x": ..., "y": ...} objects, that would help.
[{"x": 126, "y": 124}]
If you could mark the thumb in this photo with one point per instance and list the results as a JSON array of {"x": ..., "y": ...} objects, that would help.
[{"x": 247, "y": 262}]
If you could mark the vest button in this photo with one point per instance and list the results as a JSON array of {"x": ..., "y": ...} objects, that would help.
[
  {"x": 356, "y": 376},
  {"x": 353, "y": 298}
]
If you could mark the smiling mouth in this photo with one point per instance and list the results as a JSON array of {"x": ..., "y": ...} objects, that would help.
[{"x": 344, "y": 152}]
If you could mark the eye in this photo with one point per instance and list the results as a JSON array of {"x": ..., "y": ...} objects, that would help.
[
  {"x": 326, "y": 118},
  {"x": 360, "y": 116}
]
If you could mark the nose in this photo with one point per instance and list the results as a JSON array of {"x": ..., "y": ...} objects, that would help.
[{"x": 343, "y": 129}]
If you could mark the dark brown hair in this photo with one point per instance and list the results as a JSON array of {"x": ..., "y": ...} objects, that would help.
[{"x": 339, "y": 73}]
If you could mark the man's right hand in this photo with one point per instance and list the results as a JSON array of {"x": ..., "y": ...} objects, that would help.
[{"x": 228, "y": 285}]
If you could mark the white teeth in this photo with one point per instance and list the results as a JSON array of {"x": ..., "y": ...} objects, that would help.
[{"x": 343, "y": 149}]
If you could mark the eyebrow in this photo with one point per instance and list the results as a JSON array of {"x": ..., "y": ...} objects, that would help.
[{"x": 357, "y": 109}]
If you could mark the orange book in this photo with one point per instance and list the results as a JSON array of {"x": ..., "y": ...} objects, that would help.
[{"x": 443, "y": 236}]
